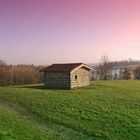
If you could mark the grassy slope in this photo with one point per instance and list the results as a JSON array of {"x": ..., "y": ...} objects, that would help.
[{"x": 104, "y": 110}]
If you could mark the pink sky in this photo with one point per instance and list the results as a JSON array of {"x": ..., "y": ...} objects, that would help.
[{"x": 50, "y": 31}]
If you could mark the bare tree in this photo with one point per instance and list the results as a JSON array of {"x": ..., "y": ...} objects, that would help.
[
  {"x": 5, "y": 78},
  {"x": 105, "y": 68},
  {"x": 115, "y": 76},
  {"x": 137, "y": 73},
  {"x": 126, "y": 74},
  {"x": 2, "y": 63},
  {"x": 121, "y": 74}
]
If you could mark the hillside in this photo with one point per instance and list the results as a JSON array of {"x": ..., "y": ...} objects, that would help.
[{"x": 104, "y": 110}]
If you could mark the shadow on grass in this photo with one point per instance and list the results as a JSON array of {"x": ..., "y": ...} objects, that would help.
[
  {"x": 42, "y": 87},
  {"x": 45, "y": 87}
]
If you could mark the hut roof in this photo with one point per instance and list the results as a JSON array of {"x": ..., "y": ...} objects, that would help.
[{"x": 66, "y": 67}]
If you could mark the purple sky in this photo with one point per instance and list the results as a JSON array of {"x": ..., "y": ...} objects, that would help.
[{"x": 50, "y": 31}]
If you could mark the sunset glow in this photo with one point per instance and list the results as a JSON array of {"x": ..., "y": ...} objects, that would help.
[{"x": 50, "y": 31}]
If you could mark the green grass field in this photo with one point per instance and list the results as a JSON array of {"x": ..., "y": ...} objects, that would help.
[{"x": 105, "y": 110}]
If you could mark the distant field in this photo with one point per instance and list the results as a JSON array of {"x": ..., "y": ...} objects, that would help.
[{"x": 106, "y": 110}]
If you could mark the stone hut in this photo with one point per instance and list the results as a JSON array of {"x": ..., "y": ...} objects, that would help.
[{"x": 67, "y": 76}]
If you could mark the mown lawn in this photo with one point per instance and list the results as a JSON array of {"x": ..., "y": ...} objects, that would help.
[{"x": 105, "y": 110}]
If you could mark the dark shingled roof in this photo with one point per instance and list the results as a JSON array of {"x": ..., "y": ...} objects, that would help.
[{"x": 68, "y": 67}]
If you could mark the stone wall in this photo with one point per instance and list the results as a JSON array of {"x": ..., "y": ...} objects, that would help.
[
  {"x": 80, "y": 78},
  {"x": 57, "y": 80}
]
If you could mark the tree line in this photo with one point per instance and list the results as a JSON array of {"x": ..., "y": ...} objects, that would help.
[
  {"x": 19, "y": 74},
  {"x": 104, "y": 70},
  {"x": 118, "y": 70}
]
